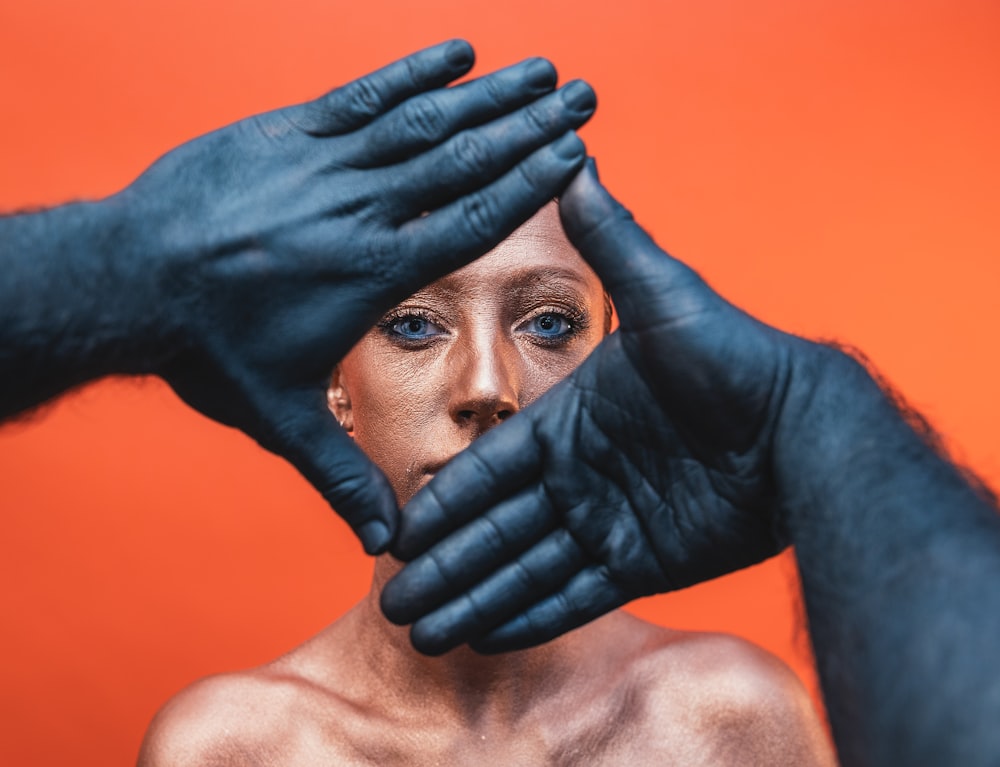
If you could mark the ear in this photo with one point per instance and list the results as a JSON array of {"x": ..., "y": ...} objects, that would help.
[{"x": 339, "y": 400}]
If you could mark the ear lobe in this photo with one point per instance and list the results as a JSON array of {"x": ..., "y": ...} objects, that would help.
[{"x": 339, "y": 401}]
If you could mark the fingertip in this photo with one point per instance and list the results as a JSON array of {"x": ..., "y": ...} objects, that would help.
[
  {"x": 405, "y": 547},
  {"x": 428, "y": 641},
  {"x": 375, "y": 537},
  {"x": 359, "y": 492},
  {"x": 585, "y": 184},
  {"x": 486, "y": 647},
  {"x": 506, "y": 638},
  {"x": 415, "y": 591},
  {"x": 393, "y": 602},
  {"x": 459, "y": 54},
  {"x": 407, "y": 544},
  {"x": 580, "y": 97},
  {"x": 584, "y": 203},
  {"x": 404, "y": 598},
  {"x": 540, "y": 72},
  {"x": 399, "y": 550}
]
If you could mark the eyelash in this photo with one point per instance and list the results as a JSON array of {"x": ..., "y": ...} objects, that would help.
[
  {"x": 387, "y": 325},
  {"x": 577, "y": 321}
]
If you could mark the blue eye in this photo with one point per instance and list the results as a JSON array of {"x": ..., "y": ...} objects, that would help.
[
  {"x": 414, "y": 327},
  {"x": 550, "y": 325}
]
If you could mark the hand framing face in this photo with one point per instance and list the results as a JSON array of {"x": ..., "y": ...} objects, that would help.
[
  {"x": 271, "y": 246},
  {"x": 648, "y": 469}
]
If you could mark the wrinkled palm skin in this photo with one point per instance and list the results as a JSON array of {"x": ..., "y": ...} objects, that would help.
[
  {"x": 649, "y": 469},
  {"x": 275, "y": 243}
]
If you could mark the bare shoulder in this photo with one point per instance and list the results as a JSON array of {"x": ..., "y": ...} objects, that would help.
[
  {"x": 247, "y": 718},
  {"x": 730, "y": 701},
  {"x": 220, "y": 720}
]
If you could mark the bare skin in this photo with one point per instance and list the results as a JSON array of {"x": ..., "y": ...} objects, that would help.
[{"x": 443, "y": 367}]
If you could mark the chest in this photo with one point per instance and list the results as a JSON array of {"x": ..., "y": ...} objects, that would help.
[{"x": 602, "y": 738}]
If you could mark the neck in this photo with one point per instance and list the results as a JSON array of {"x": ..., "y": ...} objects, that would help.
[{"x": 460, "y": 683}]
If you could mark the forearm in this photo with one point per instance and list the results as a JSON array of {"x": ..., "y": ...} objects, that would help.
[
  {"x": 68, "y": 311},
  {"x": 900, "y": 559}
]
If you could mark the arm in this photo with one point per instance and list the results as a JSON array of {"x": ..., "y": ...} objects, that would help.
[
  {"x": 900, "y": 562},
  {"x": 241, "y": 266},
  {"x": 67, "y": 311},
  {"x": 696, "y": 441}
]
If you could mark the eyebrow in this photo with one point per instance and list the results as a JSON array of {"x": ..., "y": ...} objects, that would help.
[
  {"x": 525, "y": 284},
  {"x": 519, "y": 281},
  {"x": 546, "y": 275}
]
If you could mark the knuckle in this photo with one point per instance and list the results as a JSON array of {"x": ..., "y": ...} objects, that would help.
[
  {"x": 443, "y": 573},
  {"x": 346, "y": 494},
  {"x": 362, "y": 98},
  {"x": 563, "y": 605},
  {"x": 537, "y": 118},
  {"x": 424, "y": 120},
  {"x": 478, "y": 464},
  {"x": 494, "y": 92},
  {"x": 530, "y": 625},
  {"x": 479, "y": 610},
  {"x": 492, "y": 540},
  {"x": 384, "y": 262},
  {"x": 524, "y": 578},
  {"x": 471, "y": 154},
  {"x": 527, "y": 173},
  {"x": 480, "y": 216},
  {"x": 415, "y": 73},
  {"x": 429, "y": 637}
]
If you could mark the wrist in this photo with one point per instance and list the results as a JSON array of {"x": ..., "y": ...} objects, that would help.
[
  {"x": 836, "y": 432},
  {"x": 144, "y": 328},
  {"x": 851, "y": 462},
  {"x": 67, "y": 311},
  {"x": 83, "y": 293}
]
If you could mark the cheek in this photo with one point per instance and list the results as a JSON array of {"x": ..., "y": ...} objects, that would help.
[
  {"x": 383, "y": 412},
  {"x": 544, "y": 368},
  {"x": 393, "y": 398}
]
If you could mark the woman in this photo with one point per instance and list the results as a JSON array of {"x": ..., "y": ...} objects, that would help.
[{"x": 437, "y": 371}]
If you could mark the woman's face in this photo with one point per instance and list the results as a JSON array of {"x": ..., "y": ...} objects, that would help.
[{"x": 468, "y": 351}]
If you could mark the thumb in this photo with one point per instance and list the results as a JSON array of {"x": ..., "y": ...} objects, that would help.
[
  {"x": 634, "y": 269},
  {"x": 306, "y": 435}
]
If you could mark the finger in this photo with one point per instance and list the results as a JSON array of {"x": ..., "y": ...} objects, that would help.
[
  {"x": 452, "y": 236},
  {"x": 473, "y": 157},
  {"x": 494, "y": 467},
  {"x": 429, "y": 118},
  {"x": 469, "y": 555},
  {"x": 639, "y": 275},
  {"x": 356, "y": 104},
  {"x": 588, "y": 595},
  {"x": 307, "y": 436},
  {"x": 512, "y": 589}
]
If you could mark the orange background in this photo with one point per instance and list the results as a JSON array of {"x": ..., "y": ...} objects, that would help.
[{"x": 829, "y": 165}]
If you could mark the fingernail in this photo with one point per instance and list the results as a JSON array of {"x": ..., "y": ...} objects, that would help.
[
  {"x": 569, "y": 146},
  {"x": 541, "y": 74},
  {"x": 374, "y": 536},
  {"x": 579, "y": 97},
  {"x": 459, "y": 54}
]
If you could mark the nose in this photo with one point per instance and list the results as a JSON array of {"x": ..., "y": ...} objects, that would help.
[{"x": 487, "y": 384}]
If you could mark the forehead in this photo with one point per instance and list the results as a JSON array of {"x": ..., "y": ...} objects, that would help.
[{"x": 537, "y": 254}]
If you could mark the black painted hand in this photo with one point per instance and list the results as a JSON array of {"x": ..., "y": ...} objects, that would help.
[
  {"x": 649, "y": 469},
  {"x": 270, "y": 246}
]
